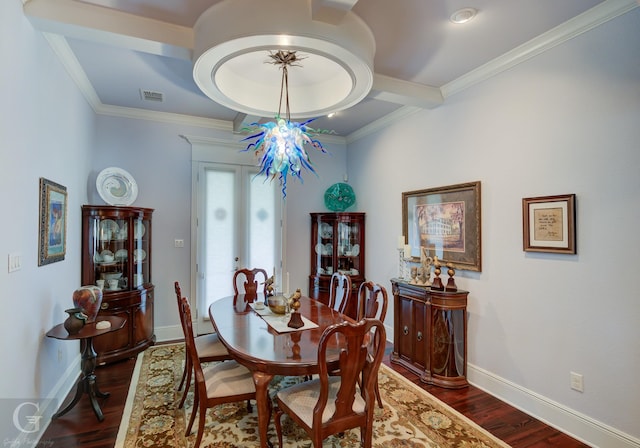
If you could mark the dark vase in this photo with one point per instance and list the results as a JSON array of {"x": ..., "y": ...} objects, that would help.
[
  {"x": 76, "y": 320},
  {"x": 88, "y": 298}
]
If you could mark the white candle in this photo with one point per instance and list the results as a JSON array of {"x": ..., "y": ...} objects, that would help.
[
  {"x": 407, "y": 251},
  {"x": 287, "y": 292},
  {"x": 401, "y": 242}
]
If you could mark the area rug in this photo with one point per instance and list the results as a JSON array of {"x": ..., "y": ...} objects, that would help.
[{"x": 411, "y": 417}]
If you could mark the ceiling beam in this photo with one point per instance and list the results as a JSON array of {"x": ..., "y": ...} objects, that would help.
[
  {"x": 406, "y": 93},
  {"x": 71, "y": 18},
  {"x": 331, "y": 11}
]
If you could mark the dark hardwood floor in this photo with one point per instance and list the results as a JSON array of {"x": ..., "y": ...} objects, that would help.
[{"x": 80, "y": 428}]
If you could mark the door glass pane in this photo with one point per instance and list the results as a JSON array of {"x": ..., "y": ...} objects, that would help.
[
  {"x": 219, "y": 235},
  {"x": 261, "y": 222}
]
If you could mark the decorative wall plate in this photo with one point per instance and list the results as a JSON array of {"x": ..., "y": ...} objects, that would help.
[
  {"x": 339, "y": 197},
  {"x": 116, "y": 186}
]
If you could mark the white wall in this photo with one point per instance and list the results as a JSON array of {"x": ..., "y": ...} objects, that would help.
[
  {"x": 47, "y": 129},
  {"x": 566, "y": 121}
]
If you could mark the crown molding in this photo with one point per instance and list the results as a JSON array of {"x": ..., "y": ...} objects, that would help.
[{"x": 582, "y": 23}]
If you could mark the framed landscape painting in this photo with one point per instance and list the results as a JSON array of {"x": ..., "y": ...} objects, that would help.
[
  {"x": 52, "y": 244},
  {"x": 447, "y": 222}
]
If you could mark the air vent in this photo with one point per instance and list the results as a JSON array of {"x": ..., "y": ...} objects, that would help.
[{"x": 151, "y": 95}]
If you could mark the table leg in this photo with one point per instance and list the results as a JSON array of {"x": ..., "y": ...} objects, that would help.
[
  {"x": 87, "y": 383},
  {"x": 262, "y": 380}
]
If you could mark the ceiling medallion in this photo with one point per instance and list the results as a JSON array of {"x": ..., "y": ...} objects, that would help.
[{"x": 232, "y": 36}]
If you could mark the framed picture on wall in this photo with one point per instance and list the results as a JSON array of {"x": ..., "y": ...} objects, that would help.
[
  {"x": 53, "y": 222},
  {"x": 446, "y": 221},
  {"x": 549, "y": 224}
]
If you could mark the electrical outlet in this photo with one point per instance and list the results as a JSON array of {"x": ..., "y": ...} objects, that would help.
[
  {"x": 577, "y": 382},
  {"x": 178, "y": 243}
]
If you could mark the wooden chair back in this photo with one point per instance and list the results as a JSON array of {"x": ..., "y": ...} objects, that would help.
[
  {"x": 339, "y": 291},
  {"x": 372, "y": 301},
  {"x": 347, "y": 400},
  {"x": 248, "y": 281}
]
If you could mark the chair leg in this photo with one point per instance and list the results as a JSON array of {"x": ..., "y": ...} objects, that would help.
[
  {"x": 378, "y": 397},
  {"x": 184, "y": 372},
  {"x": 278, "y": 424},
  {"x": 187, "y": 385},
  {"x": 203, "y": 415},
  {"x": 196, "y": 402}
]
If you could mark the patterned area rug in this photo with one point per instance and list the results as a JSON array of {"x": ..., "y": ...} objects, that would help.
[{"x": 411, "y": 417}]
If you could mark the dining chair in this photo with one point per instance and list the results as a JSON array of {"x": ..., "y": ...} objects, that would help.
[
  {"x": 339, "y": 291},
  {"x": 333, "y": 403},
  {"x": 372, "y": 304},
  {"x": 246, "y": 281},
  {"x": 208, "y": 346},
  {"x": 217, "y": 383}
]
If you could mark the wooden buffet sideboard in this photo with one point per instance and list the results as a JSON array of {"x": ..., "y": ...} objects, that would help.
[{"x": 430, "y": 333}]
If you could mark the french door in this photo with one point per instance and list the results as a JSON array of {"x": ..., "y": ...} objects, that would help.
[{"x": 239, "y": 222}]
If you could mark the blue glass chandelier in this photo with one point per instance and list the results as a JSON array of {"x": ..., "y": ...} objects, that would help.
[{"x": 280, "y": 145}]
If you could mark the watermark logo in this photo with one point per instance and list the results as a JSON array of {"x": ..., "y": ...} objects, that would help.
[{"x": 20, "y": 422}]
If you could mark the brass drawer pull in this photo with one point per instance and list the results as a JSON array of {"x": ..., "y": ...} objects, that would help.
[
  {"x": 405, "y": 330},
  {"x": 104, "y": 305},
  {"x": 419, "y": 336}
]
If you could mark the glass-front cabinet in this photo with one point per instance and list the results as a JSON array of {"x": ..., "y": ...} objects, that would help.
[
  {"x": 116, "y": 256},
  {"x": 337, "y": 244}
]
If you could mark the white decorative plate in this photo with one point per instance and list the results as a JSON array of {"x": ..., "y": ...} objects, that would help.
[
  {"x": 116, "y": 186},
  {"x": 108, "y": 229},
  {"x": 140, "y": 229},
  {"x": 355, "y": 250},
  {"x": 121, "y": 255},
  {"x": 319, "y": 249},
  {"x": 139, "y": 255}
]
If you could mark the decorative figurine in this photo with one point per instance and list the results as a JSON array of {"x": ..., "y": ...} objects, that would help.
[
  {"x": 451, "y": 283},
  {"x": 296, "y": 319},
  {"x": 437, "y": 281},
  {"x": 426, "y": 261},
  {"x": 269, "y": 285}
]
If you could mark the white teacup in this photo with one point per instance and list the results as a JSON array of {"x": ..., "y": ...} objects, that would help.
[
  {"x": 329, "y": 270},
  {"x": 100, "y": 283},
  {"x": 113, "y": 283},
  {"x": 354, "y": 272}
]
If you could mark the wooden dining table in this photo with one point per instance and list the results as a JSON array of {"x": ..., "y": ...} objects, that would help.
[{"x": 265, "y": 352}]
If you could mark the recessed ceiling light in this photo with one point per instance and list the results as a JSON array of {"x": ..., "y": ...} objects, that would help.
[{"x": 463, "y": 15}]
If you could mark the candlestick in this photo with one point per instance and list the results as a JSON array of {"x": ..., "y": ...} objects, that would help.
[
  {"x": 401, "y": 242},
  {"x": 407, "y": 251}
]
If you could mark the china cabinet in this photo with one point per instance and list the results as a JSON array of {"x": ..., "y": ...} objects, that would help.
[
  {"x": 116, "y": 256},
  {"x": 430, "y": 333},
  {"x": 337, "y": 244}
]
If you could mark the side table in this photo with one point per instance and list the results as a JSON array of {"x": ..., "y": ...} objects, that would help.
[{"x": 87, "y": 382}]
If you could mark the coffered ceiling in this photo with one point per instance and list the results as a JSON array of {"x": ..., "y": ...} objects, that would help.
[{"x": 127, "y": 55}]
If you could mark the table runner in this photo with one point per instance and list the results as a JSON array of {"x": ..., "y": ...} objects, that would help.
[{"x": 279, "y": 322}]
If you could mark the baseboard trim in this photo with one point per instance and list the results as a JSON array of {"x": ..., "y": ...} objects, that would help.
[{"x": 586, "y": 429}]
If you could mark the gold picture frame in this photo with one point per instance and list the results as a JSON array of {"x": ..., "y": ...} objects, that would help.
[
  {"x": 549, "y": 224},
  {"x": 447, "y": 222},
  {"x": 52, "y": 245}
]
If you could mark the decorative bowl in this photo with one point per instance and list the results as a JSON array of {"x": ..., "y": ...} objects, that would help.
[
  {"x": 277, "y": 304},
  {"x": 111, "y": 275}
]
